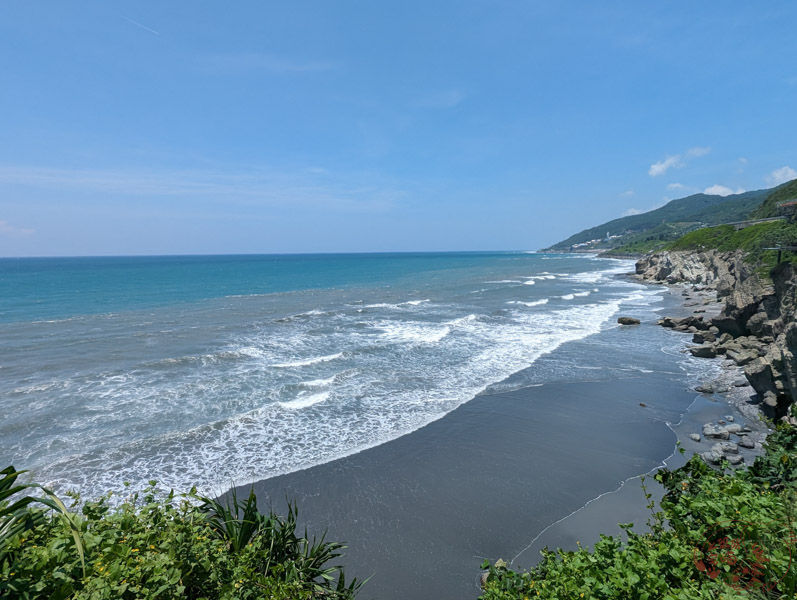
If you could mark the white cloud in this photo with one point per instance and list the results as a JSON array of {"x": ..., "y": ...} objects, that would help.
[
  {"x": 7, "y": 229},
  {"x": 721, "y": 190},
  {"x": 675, "y": 186},
  {"x": 697, "y": 151},
  {"x": 676, "y": 161},
  {"x": 781, "y": 175},
  {"x": 661, "y": 167},
  {"x": 442, "y": 99},
  {"x": 627, "y": 193},
  {"x": 631, "y": 211}
]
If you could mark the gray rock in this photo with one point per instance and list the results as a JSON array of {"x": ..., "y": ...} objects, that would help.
[
  {"x": 735, "y": 459},
  {"x": 694, "y": 437},
  {"x": 628, "y": 321},
  {"x": 725, "y": 337},
  {"x": 703, "y": 337},
  {"x": 713, "y": 431},
  {"x": 729, "y": 418},
  {"x": 733, "y": 428},
  {"x": 747, "y": 442},
  {"x": 705, "y": 388},
  {"x": 721, "y": 421},
  {"x": 704, "y": 351},
  {"x": 725, "y": 448},
  {"x": 712, "y": 457},
  {"x": 740, "y": 382}
]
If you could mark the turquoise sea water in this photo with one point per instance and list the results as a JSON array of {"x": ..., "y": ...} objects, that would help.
[{"x": 209, "y": 370}]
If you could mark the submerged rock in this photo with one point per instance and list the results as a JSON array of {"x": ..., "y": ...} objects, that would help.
[{"x": 628, "y": 321}]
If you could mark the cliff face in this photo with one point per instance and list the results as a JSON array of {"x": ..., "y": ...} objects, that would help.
[{"x": 756, "y": 327}]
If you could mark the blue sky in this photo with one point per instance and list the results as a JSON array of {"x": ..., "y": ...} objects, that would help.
[{"x": 202, "y": 127}]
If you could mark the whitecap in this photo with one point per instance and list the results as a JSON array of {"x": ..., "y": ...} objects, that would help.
[
  {"x": 534, "y": 303},
  {"x": 309, "y": 361},
  {"x": 305, "y": 401}
]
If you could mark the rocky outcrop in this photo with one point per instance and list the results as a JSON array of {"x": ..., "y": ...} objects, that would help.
[
  {"x": 628, "y": 321},
  {"x": 756, "y": 327}
]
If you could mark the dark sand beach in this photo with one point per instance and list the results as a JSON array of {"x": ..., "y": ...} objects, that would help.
[{"x": 420, "y": 513}]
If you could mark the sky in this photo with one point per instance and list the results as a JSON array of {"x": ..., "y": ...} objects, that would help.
[{"x": 268, "y": 127}]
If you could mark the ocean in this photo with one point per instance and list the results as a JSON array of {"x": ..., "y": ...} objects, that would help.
[{"x": 210, "y": 371}]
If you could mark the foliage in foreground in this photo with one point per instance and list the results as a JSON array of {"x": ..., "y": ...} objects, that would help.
[
  {"x": 159, "y": 547},
  {"x": 718, "y": 535}
]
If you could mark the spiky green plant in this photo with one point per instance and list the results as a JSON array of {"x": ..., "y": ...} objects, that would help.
[
  {"x": 17, "y": 516},
  {"x": 240, "y": 524}
]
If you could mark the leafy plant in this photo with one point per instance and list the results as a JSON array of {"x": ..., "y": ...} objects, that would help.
[{"x": 16, "y": 515}]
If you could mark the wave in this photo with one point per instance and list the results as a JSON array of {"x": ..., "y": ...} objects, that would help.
[
  {"x": 318, "y": 382},
  {"x": 530, "y": 304},
  {"x": 305, "y": 401},
  {"x": 567, "y": 296},
  {"x": 396, "y": 305},
  {"x": 308, "y": 361}
]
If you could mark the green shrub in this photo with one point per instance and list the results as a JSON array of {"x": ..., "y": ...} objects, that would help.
[{"x": 157, "y": 547}]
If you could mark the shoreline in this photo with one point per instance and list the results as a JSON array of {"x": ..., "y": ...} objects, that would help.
[{"x": 412, "y": 491}]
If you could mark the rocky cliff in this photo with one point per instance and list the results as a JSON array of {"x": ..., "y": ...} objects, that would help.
[{"x": 756, "y": 327}]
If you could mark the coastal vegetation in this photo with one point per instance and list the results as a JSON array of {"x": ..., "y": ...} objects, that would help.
[
  {"x": 657, "y": 229},
  {"x": 160, "y": 546},
  {"x": 754, "y": 241},
  {"x": 717, "y": 534}
]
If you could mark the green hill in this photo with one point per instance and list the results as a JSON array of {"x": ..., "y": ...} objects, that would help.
[
  {"x": 783, "y": 193},
  {"x": 644, "y": 232}
]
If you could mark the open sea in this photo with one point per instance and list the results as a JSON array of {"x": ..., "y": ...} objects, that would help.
[{"x": 214, "y": 370}]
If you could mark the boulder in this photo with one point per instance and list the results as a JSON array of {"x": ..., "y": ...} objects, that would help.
[
  {"x": 713, "y": 431},
  {"x": 694, "y": 437},
  {"x": 735, "y": 459},
  {"x": 703, "y": 337},
  {"x": 742, "y": 357},
  {"x": 747, "y": 442},
  {"x": 733, "y": 428},
  {"x": 712, "y": 457},
  {"x": 704, "y": 351},
  {"x": 628, "y": 321},
  {"x": 725, "y": 448}
]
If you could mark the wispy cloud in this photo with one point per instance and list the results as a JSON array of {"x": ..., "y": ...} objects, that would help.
[
  {"x": 781, "y": 175},
  {"x": 661, "y": 167},
  {"x": 676, "y": 161},
  {"x": 245, "y": 62},
  {"x": 137, "y": 24},
  {"x": 697, "y": 151},
  {"x": 676, "y": 186},
  {"x": 8, "y": 230},
  {"x": 631, "y": 211},
  {"x": 262, "y": 187},
  {"x": 721, "y": 190},
  {"x": 627, "y": 193},
  {"x": 441, "y": 99}
]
